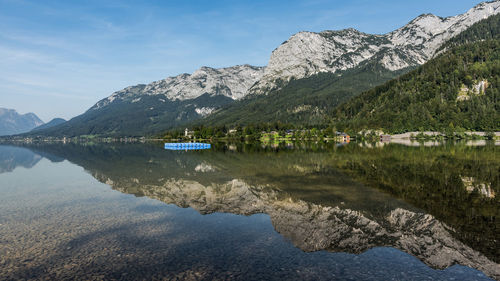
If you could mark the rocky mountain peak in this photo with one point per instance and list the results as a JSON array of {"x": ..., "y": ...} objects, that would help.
[
  {"x": 309, "y": 53},
  {"x": 232, "y": 82}
]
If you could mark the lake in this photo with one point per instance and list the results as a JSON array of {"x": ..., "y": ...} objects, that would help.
[{"x": 249, "y": 212}]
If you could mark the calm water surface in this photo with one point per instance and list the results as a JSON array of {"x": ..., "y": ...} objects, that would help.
[{"x": 248, "y": 212}]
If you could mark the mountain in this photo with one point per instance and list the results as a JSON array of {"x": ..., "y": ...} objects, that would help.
[
  {"x": 232, "y": 82},
  {"x": 307, "y": 101},
  {"x": 314, "y": 99},
  {"x": 143, "y": 109},
  {"x": 309, "y": 53},
  {"x": 12, "y": 123},
  {"x": 336, "y": 66},
  {"x": 51, "y": 123},
  {"x": 458, "y": 89}
]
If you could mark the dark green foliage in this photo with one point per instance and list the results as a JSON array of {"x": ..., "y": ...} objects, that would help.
[
  {"x": 426, "y": 99},
  {"x": 247, "y": 132}
]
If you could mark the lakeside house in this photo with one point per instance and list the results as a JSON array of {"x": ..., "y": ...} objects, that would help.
[{"x": 342, "y": 137}]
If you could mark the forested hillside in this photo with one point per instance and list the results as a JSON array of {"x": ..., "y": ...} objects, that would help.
[
  {"x": 308, "y": 101},
  {"x": 123, "y": 118},
  {"x": 459, "y": 89}
]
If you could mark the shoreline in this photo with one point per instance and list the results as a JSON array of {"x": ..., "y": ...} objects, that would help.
[{"x": 425, "y": 136}]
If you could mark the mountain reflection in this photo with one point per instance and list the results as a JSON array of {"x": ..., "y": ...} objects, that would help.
[
  {"x": 12, "y": 157},
  {"x": 439, "y": 204}
]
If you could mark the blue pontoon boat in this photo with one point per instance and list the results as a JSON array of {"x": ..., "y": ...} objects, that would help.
[{"x": 187, "y": 146}]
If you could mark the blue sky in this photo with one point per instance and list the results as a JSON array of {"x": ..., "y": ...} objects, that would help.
[{"x": 58, "y": 58}]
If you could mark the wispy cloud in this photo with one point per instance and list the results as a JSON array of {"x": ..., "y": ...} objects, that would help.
[{"x": 11, "y": 55}]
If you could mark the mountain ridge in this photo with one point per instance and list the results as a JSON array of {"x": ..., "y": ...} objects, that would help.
[
  {"x": 189, "y": 86},
  {"x": 408, "y": 46}
]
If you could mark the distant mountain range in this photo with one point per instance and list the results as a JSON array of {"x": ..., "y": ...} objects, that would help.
[
  {"x": 144, "y": 109},
  {"x": 50, "y": 124},
  {"x": 12, "y": 123},
  {"x": 306, "y": 78}
]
